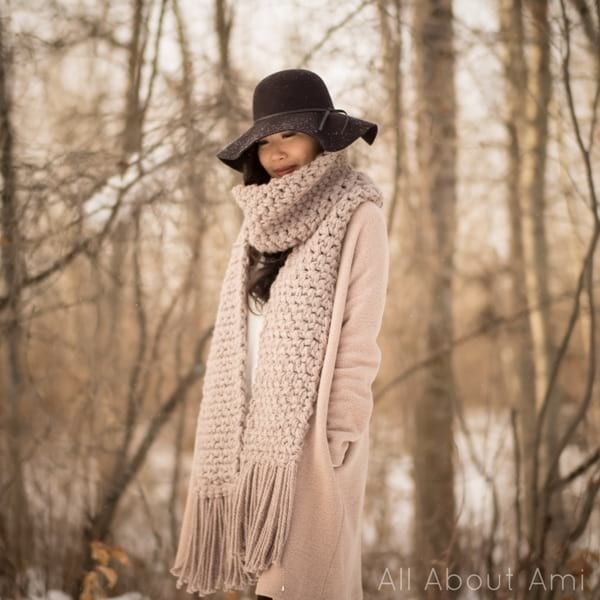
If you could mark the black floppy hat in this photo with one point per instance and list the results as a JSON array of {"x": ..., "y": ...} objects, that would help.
[{"x": 297, "y": 100}]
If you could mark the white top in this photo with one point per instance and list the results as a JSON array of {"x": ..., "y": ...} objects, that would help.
[{"x": 255, "y": 324}]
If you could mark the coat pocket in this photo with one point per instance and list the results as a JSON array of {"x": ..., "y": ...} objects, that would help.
[{"x": 337, "y": 452}]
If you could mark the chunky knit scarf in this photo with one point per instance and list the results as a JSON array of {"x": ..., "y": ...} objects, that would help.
[{"x": 248, "y": 445}]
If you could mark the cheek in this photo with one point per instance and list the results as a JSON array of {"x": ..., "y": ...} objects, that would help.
[
  {"x": 300, "y": 153},
  {"x": 262, "y": 156},
  {"x": 310, "y": 148},
  {"x": 310, "y": 153}
]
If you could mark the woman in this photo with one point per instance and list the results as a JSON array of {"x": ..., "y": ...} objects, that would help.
[{"x": 280, "y": 461}]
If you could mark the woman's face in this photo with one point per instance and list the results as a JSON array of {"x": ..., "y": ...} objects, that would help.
[{"x": 283, "y": 152}]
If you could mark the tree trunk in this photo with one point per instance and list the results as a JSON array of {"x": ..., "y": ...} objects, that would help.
[
  {"x": 15, "y": 505},
  {"x": 533, "y": 207},
  {"x": 132, "y": 133},
  {"x": 229, "y": 103},
  {"x": 390, "y": 25},
  {"x": 196, "y": 208},
  {"x": 435, "y": 543},
  {"x": 521, "y": 350},
  {"x": 535, "y": 248}
]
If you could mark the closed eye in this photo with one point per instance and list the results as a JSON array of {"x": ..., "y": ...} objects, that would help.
[{"x": 285, "y": 135}]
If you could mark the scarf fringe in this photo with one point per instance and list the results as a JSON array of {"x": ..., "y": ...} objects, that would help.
[
  {"x": 234, "y": 537},
  {"x": 262, "y": 513}
]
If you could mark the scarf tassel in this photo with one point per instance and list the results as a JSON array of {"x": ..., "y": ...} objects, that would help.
[
  {"x": 262, "y": 513},
  {"x": 204, "y": 559},
  {"x": 227, "y": 540}
]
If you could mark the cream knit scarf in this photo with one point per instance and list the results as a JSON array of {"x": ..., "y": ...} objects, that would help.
[{"x": 247, "y": 447}]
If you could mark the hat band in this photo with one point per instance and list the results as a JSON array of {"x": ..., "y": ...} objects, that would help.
[{"x": 327, "y": 112}]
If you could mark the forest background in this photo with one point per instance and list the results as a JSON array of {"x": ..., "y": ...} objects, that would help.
[{"x": 117, "y": 222}]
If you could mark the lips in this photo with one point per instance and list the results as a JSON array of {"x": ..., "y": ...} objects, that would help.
[{"x": 285, "y": 171}]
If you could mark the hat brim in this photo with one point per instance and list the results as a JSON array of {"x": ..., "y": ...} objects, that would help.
[{"x": 330, "y": 137}]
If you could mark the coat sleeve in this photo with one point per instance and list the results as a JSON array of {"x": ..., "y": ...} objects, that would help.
[{"x": 359, "y": 356}]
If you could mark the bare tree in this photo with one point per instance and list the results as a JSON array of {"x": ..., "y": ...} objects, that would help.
[
  {"x": 534, "y": 143},
  {"x": 113, "y": 236},
  {"x": 390, "y": 25},
  {"x": 16, "y": 520},
  {"x": 132, "y": 132},
  {"x": 233, "y": 107},
  {"x": 547, "y": 552},
  {"x": 590, "y": 28},
  {"x": 435, "y": 543},
  {"x": 129, "y": 459},
  {"x": 522, "y": 384}
]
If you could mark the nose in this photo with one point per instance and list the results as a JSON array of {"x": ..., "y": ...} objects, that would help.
[{"x": 276, "y": 152}]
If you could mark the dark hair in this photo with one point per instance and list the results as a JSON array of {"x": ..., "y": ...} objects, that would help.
[
  {"x": 263, "y": 266},
  {"x": 252, "y": 170}
]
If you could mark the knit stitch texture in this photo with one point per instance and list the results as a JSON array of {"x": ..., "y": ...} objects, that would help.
[{"x": 247, "y": 446}]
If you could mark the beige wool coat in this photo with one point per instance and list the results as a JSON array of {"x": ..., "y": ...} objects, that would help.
[{"x": 322, "y": 555}]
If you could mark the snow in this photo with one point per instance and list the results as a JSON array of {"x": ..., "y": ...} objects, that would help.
[
  {"x": 492, "y": 448},
  {"x": 35, "y": 590}
]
